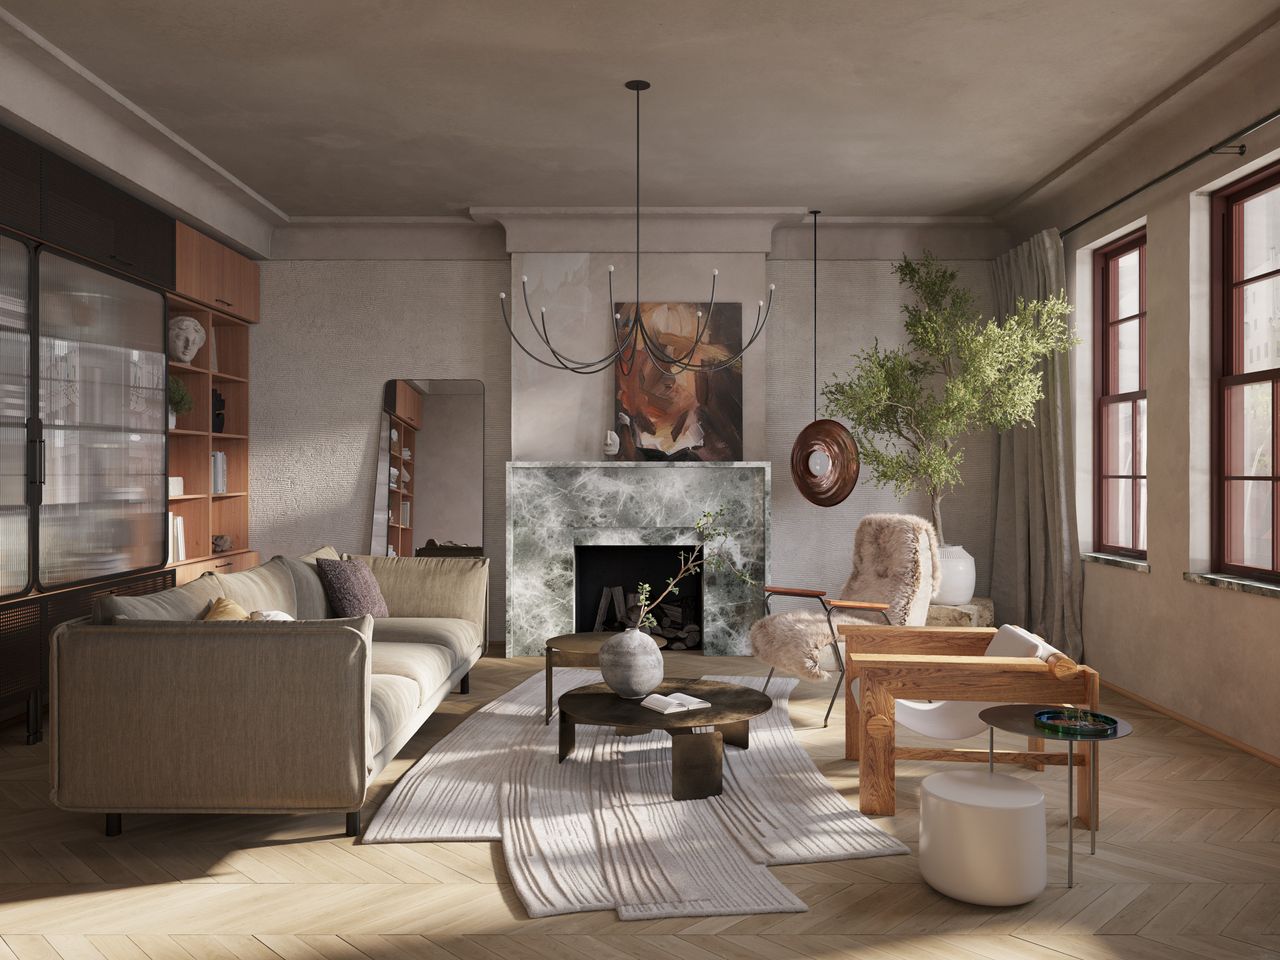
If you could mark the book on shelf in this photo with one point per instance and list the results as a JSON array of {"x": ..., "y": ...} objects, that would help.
[
  {"x": 673, "y": 703},
  {"x": 177, "y": 538}
]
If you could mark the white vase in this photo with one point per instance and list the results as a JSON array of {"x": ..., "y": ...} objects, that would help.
[
  {"x": 958, "y": 576},
  {"x": 173, "y": 420},
  {"x": 631, "y": 664}
]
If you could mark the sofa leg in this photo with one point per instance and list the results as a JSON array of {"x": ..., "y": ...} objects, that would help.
[
  {"x": 353, "y": 824},
  {"x": 464, "y": 685},
  {"x": 114, "y": 824}
]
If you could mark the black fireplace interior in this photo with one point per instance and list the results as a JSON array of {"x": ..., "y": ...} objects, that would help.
[{"x": 607, "y": 577}]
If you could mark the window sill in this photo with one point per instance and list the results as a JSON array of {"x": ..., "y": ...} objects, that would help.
[
  {"x": 1113, "y": 560},
  {"x": 1239, "y": 584}
]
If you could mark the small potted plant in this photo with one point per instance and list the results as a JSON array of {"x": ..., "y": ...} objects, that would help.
[
  {"x": 630, "y": 662},
  {"x": 959, "y": 372},
  {"x": 180, "y": 400}
]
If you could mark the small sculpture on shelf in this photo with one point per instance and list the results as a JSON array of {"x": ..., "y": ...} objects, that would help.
[
  {"x": 221, "y": 542},
  {"x": 219, "y": 412},
  {"x": 186, "y": 337}
]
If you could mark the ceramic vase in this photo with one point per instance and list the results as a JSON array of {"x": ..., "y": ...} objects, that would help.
[
  {"x": 958, "y": 576},
  {"x": 173, "y": 420},
  {"x": 631, "y": 664}
]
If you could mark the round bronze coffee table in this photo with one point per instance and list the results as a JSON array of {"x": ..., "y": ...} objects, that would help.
[
  {"x": 697, "y": 755},
  {"x": 578, "y": 650}
]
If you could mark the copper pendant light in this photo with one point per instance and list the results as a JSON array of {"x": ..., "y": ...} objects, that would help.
[{"x": 824, "y": 458}]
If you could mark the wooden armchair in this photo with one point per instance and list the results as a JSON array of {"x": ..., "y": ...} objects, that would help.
[{"x": 943, "y": 676}]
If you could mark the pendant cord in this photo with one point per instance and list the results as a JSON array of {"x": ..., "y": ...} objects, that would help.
[
  {"x": 637, "y": 206},
  {"x": 815, "y": 312}
]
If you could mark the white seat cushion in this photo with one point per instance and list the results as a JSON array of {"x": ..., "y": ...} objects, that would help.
[{"x": 958, "y": 719}]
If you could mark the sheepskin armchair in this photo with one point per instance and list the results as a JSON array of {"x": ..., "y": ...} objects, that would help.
[{"x": 895, "y": 571}]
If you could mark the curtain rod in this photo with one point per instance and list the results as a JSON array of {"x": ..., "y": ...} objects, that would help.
[{"x": 1222, "y": 146}]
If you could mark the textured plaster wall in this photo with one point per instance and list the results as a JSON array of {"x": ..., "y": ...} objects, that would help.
[
  {"x": 334, "y": 330},
  {"x": 332, "y": 333},
  {"x": 859, "y": 301}
]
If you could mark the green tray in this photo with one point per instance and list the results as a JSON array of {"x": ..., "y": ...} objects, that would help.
[{"x": 1076, "y": 723}]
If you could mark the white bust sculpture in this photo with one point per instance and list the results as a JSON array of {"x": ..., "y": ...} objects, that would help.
[{"x": 186, "y": 337}]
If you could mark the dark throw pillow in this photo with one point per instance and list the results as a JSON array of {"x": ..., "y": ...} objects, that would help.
[{"x": 351, "y": 588}]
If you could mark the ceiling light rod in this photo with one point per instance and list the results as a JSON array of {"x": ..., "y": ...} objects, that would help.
[{"x": 630, "y": 334}]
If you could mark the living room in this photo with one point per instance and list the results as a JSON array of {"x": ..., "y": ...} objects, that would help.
[{"x": 614, "y": 480}]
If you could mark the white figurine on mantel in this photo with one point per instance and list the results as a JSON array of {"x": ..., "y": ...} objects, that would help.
[
  {"x": 186, "y": 337},
  {"x": 611, "y": 443}
]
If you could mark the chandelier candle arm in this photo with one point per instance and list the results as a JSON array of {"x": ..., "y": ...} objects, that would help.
[{"x": 628, "y": 336}]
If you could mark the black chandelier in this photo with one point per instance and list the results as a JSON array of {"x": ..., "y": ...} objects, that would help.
[{"x": 630, "y": 333}]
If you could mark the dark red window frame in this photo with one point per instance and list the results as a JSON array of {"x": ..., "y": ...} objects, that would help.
[
  {"x": 1226, "y": 357},
  {"x": 1106, "y": 323}
]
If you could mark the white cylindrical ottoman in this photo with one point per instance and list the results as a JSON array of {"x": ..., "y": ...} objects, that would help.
[{"x": 982, "y": 837}]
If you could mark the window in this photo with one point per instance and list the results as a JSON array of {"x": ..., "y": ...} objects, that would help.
[
  {"x": 1120, "y": 386},
  {"x": 1246, "y": 364}
]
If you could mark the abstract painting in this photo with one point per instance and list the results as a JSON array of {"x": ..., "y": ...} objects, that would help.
[{"x": 672, "y": 414}]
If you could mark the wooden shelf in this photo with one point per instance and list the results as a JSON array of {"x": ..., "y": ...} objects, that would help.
[{"x": 207, "y": 514}]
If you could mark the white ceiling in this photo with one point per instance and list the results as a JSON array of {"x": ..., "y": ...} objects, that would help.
[{"x": 860, "y": 107}]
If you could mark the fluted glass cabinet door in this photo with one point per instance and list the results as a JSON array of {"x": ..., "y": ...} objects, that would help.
[
  {"x": 15, "y": 408},
  {"x": 102, "y": 404}
]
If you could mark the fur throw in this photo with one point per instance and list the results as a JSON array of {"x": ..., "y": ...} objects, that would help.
[{"x": 895, "y": 561}]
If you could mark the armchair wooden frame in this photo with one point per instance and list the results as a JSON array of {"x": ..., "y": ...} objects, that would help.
[
  {"x": 829, "y": 606},
  {"x": 948, "y": 663}
]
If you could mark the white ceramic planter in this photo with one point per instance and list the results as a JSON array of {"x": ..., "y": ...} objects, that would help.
[
  {"x": 173, "y": 420},
  {"x": 958, "y": 576},
  {"x": 631, "y": 664}
]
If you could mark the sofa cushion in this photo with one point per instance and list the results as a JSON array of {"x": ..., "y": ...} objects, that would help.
[
  {"x": 266, "y": 587},
  {"x": 433, "y": 586},
  {"x": 392, "y": 701},
  {"x": 461, "y": 637},
  {"x": 426, "y": 664},
  {"x": 351, "y": 588},
  {"x": 186, "y": 602},
  {"x": 312, "y": 603}
]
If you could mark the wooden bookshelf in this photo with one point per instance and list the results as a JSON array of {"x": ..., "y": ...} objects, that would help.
[
  {"x": 223, "y": 365},
  {"x": 400, "y": 493}
]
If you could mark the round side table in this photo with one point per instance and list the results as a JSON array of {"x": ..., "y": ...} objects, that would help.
[
  {"x": 1020, "y": 718},
  {"x": 577, "y": 650}
]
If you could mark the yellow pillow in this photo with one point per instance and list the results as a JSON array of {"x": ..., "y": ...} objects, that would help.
[{"x": 223, "y": 609}]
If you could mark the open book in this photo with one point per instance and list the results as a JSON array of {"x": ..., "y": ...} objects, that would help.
[{"x": 673, "y": 703}]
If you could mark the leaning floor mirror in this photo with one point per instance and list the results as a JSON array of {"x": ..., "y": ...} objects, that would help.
[{"x": 429, "y": 490}]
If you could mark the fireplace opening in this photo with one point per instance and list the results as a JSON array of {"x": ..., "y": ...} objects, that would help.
[{"x": 606, "y": 579}]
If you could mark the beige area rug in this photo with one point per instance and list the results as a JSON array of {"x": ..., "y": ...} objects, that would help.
[{"x": 601, "y": 832}]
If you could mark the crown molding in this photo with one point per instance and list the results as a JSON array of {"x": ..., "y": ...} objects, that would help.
[
  {"x": 60, "y": 103},
  {"x": 662, "y": 229}
]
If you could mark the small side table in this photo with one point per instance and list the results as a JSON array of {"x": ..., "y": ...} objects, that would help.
[
  {"x": 1020, "y": 718},
  {"x": 577, "y": 650}
]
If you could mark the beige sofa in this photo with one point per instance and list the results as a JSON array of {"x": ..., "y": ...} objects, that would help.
[{"x": 152, "y": 710}]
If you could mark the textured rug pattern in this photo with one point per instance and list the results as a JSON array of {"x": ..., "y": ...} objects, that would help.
[{"x": 600, "y": 831}]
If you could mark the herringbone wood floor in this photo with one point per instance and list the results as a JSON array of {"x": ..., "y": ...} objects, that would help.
[{"x": 1188, "y": 865}]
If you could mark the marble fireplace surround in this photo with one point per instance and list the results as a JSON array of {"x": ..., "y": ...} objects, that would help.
[{"x": 554, "y": 506}]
